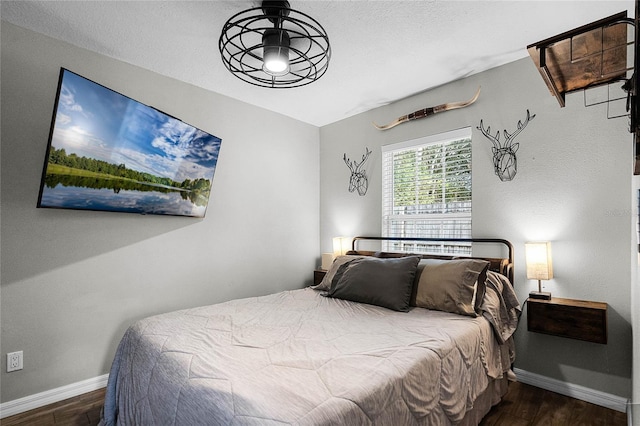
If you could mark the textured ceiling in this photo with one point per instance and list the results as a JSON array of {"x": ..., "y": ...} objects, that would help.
[{"x": 382, "y": 51}]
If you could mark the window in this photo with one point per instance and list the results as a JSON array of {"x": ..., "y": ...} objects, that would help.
[{"x": 426, "y": 192}]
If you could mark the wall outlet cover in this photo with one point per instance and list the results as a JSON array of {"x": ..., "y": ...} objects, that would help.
[{"x": 14, "y": 361}]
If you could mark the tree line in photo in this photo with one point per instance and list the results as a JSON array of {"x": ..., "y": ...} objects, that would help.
[{"x": 60, "y": 157}]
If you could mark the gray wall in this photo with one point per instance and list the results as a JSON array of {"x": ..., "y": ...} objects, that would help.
[
  {"x": 72, "y": 281},
  {"x": 573, "y": 188}
]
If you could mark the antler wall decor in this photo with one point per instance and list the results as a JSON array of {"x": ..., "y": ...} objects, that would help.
[
  {"x": 426, "y": 112},
  {"x": 505, "y": 162},
  {"x": 358, "y": 180}
]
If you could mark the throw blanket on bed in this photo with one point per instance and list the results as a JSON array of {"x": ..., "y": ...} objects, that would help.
[
  {"x": 299, "y": 358},
  {"x": 501, "y": 307}
]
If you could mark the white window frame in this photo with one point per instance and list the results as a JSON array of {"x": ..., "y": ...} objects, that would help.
[{"x": 431, "y": 219}]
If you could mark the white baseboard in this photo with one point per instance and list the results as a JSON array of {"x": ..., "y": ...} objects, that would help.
[
  {"x": 41, "y": 399},
  {"x": 633, "y": 414},
  {"x": 582, "y": 393}
]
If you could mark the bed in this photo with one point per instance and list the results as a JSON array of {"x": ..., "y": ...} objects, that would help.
[{"x": 384, "y": 339}]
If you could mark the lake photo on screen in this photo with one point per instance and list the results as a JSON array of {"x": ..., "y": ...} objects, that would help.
[{"x": 109, "y": 152}]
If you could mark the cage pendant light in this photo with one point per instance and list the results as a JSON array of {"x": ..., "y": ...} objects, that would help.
[{"x": 275, "y": 46}]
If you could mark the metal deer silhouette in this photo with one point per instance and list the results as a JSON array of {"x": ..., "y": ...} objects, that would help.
[
  {"x": 505, "y": 162},
  {"x": 358, "y": 180}
]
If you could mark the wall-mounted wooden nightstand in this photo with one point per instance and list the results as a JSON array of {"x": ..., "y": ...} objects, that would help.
[
  {"x": 575, "y": 319},
  {"x": 318, "y": 275}
]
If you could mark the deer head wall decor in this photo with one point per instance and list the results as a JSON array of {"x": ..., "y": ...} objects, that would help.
[
  {"x": 505, "y": 163},
  {"x": 358, "y": 180}
]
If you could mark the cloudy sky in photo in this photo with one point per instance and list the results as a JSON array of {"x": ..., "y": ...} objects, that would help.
[{"x": 95, "y": 122}]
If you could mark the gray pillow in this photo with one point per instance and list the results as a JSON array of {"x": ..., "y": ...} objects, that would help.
[
  {"x": 381, "y": 282},
  {"x": 325, "y": 284},
  {"x": 451, "y": 285}
]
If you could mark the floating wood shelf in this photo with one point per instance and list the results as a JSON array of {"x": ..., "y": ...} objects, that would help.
[
  {"x": 591, "y": 55},
  {"x": 575, "y": 319}
]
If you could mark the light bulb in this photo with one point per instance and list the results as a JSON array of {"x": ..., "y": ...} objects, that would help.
[
  {"x": 275, "y": 52},
  {"x": 276, "y": 65}
]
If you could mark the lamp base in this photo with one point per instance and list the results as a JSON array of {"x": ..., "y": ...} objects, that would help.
[{"x": 543, "y": 295}]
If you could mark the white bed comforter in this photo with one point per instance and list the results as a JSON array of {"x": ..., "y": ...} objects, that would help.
[{"x": 299, "y": 358}]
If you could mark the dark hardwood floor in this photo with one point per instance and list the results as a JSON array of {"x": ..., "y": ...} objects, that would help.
[
  {"x": 526, "y": 405},
  {"x": 81, "y": 410},
  {"x": 523, "y": 405}
]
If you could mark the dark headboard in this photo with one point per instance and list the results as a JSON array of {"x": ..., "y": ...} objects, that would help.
[{"x": 502, "y": 265}]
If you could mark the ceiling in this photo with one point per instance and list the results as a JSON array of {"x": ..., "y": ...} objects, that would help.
[{"x": 382, "y": 51}]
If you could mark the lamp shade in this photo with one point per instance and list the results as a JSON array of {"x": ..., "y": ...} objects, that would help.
[
  {"x": 341, "y": 245},
  {"x": 538, "y": 259}
]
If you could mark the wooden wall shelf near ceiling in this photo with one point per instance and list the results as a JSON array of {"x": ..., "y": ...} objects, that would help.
[{"x": 591, "y": 55}]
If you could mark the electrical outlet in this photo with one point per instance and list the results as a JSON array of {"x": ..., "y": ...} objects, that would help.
[{"x": 14, "y": 361}]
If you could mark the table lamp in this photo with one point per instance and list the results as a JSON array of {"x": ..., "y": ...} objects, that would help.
[{"x": 539, "y": 266}]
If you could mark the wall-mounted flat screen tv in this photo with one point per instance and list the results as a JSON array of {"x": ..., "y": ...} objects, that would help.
[{"x": 109, "y": 152}]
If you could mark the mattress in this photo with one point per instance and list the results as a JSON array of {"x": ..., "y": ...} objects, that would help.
[{"x": 299, "y": 358}]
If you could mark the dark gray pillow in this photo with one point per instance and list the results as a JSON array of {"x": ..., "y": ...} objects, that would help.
[
  {"x": 381, "y": 282},
  {"x": 325, "y": 284}
]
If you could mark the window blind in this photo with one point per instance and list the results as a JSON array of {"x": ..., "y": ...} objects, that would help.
[{"x": 427, "y": 192}]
